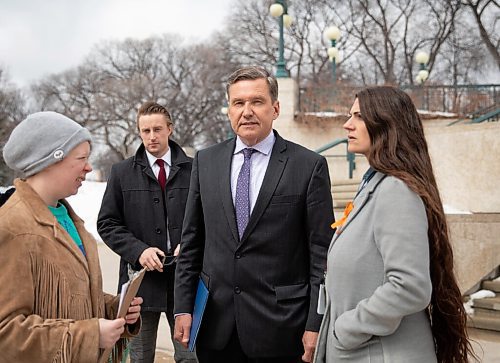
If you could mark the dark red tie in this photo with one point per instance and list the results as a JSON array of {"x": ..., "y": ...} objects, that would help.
[{"x": 162, "y": 175}]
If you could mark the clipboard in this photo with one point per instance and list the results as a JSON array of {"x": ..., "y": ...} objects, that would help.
[
  {"x": 200, "y": 303},
  {"x": 129, "y": 291},
  {"x": 127, "y": 295}
]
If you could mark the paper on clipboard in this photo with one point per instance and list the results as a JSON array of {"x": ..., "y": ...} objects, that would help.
[
  {"x": 129, "y": 291},
  {"x": 123, "y": 292}
]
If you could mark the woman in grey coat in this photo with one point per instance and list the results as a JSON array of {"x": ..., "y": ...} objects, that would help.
[{"x": 391, "y": 295}]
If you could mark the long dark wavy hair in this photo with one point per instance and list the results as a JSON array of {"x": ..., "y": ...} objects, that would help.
[{"x": 398, "y": 148}]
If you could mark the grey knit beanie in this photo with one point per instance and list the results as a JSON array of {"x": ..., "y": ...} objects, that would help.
[{"x": 42, "y": 139}]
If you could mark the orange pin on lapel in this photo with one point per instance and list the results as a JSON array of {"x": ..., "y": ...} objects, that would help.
[{"x": 348, "y": 208}]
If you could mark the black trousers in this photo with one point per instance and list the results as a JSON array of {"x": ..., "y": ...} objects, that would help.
[{"x": 232, "y": 353}]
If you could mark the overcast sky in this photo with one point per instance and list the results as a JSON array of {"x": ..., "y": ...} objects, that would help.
[{"x": 39, "y": 37}]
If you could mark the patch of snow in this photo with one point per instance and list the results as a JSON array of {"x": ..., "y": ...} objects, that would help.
[
  {"x": 451, "y": 210},
  {"x": 437, "y": 113},
  {"x": 325, "y": 114},
  {"x": 481, "y": 294},
  {"x": 469, "y": 310},
  {"x": 87, "y": 204}
]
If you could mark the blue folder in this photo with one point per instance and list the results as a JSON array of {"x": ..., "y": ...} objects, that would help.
[{"x": 200, "y": 303}]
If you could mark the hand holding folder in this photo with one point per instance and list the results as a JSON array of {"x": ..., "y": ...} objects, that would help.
[{"x": 200, "y": 303}]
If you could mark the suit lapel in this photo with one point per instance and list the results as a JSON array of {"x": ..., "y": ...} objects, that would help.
[
  {"x": 272, "y": 177},
  {"x": 359, "y": 202},
  {"x": 223, "y": 174}
]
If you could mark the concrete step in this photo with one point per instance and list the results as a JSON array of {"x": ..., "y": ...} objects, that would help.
[
  {"x": 344, "y": 195},
  {"x": 339, "y": 203},
  {"x": 345, "y": 189},
  {"x": 483, "y": 322},
  {"x": 346, "y": 181},
  {"x": 486, "y": 313},
  {"x": 492, "y": 303},
  {"x": 492, "y": 285},
  {"x": 343, "y": 192},
  {"x": 338, "y": 212}
]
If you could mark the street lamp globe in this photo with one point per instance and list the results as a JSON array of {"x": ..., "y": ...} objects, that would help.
[
  {"x": 422, "y": 57},
  {"x": 333, "y": 54},
  {"x": 276, "y": 10},
  {"x": 423, "y": 75},
  {"x": 287, "y": 20},
  {"x": 332, "y": 33}
]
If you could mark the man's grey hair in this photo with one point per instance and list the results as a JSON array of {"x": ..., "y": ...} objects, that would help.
[{"x": 253, "y": 73}]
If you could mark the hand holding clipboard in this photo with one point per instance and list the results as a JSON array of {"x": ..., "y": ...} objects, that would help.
[{"x": 128, "y": 292}]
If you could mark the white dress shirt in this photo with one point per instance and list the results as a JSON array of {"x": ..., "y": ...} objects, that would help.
[
  {"x": 259, "y": 162},
  {"x": 167, "y": 158}
]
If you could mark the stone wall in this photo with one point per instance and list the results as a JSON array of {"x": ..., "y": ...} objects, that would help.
[
  {"x": 476, "y": 246},
  {"x": 466, "y": 161}
]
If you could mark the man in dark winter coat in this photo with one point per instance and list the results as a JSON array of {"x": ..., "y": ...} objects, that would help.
[{"x": 141, "y": 220}]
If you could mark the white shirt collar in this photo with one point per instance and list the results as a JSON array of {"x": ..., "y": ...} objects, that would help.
[
  {"x": 166, "y": 158},
  {"x": 264, "y": 147}
]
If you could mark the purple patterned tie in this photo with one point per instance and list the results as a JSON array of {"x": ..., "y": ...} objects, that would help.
[{"x": 242, "y": 202}]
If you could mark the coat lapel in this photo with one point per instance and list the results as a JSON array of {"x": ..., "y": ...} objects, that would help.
[
  {"x": 92, "y": 261},
  {"x": 173, "y": 170},
  {"x": 141, "y": 159},
  {"x": 359, "y": 202},
  {"x": 223, "y": 174},
  {"x": 146, "y": 169},
  {"x": 43, "y": 216},
  {"x": 178, "y": 158},
  {"x": 272, "y": 177}
]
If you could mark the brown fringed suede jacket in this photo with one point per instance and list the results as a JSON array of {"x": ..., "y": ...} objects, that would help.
[{"x": 50, "y": 294}]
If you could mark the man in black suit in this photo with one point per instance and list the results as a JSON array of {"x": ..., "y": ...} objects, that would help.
[{"x": 257, "y": 231}]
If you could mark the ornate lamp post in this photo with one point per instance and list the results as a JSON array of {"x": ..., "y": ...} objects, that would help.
[
  {"x": 332, "y": 33},
  {"x": 279, "y": 10},
  {"x": 422, "y": 58}
]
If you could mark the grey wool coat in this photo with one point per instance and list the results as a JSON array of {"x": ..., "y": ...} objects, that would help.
[{"x": 378, "y": 280}]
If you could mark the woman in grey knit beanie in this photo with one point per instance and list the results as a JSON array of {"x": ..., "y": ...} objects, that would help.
[{"x": 52, "y": 307}]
